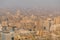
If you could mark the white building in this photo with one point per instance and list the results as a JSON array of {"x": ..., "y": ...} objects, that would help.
[{"x": 7, "y": 36}]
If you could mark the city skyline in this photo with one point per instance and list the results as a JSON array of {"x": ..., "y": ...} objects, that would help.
[{"x": 29, "y": 19}]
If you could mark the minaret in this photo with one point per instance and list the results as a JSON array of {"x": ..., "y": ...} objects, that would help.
[
  {"x": 8, "y": 14},
  {"x": 50, "y": 19}
]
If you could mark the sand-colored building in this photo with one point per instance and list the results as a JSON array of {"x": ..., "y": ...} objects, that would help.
[{"x": 57, "y": 20}]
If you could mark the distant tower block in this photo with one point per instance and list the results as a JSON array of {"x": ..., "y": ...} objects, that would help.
[
  {"x": 32, "y": 16},
  {"x": 18, "y": 12},
  {"x": 8, "y": 13},
  {"x": 50, "y": 15}
]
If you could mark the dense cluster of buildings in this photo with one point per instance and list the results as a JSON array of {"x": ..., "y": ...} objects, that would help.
[{"x": 24, "y": 27}]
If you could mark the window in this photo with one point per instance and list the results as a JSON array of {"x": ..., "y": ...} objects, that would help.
[
  {"x": 44, "y": 28},
  {"x": 12, "y": 38},
  {"x": 18, "y": 39},
  {"x": 13, "y": 28},
  {"x": 30, "y": 29}
]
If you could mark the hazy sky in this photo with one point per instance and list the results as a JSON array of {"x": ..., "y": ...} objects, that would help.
[{"x": 29, "y": 3}]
